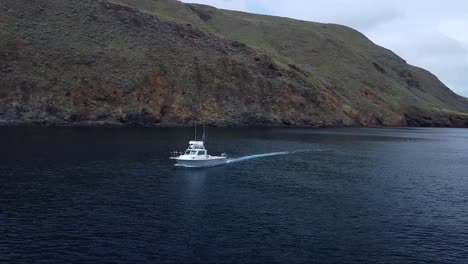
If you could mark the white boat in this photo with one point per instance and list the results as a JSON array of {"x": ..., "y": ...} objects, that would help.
[{"x": 196, "y": 156}]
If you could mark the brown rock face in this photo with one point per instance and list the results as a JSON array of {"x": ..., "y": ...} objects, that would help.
[{"x": 146, "y": 62}]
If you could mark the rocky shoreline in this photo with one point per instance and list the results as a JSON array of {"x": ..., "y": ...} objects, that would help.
[{"x": 111, "y": 124}]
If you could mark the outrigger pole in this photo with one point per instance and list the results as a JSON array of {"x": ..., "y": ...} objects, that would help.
[
  {"x": 204, "y": 137},
  {"x": 195, "y": 130}
]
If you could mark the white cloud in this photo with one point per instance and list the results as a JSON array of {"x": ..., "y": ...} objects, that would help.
[
  {"x": 428, "y": 33},
  {"x": 455, "y": 28}
]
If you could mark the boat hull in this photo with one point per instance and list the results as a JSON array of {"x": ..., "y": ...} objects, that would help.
[{"x": 200, "y": 163}]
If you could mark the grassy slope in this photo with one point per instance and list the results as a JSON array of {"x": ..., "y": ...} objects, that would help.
[
  {"x": 165, "y": 9},
  {"x": 340, "y": 57},
  {"x": 334, "y": 51}
]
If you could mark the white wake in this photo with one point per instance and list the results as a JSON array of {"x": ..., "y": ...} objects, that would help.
[
  {"x": 264, "y": 155},
  {"x": 256, "y": 156}
]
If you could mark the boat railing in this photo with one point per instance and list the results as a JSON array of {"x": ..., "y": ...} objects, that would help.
[
  {"x": 196, "y": 146},
  {"x": 176, "y": 154}
]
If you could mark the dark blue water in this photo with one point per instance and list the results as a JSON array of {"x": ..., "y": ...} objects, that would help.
[{"x": 95, "y": 195}]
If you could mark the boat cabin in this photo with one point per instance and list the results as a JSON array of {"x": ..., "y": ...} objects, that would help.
[{"x": 196, "y": 148}]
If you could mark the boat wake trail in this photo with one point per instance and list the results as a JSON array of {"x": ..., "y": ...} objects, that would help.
[
  {"x": 264, "y": 155},
  {"x": 258, "y": 156}
]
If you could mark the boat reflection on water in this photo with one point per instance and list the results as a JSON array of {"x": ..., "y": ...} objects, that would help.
[{"x": 196, "y": 180}]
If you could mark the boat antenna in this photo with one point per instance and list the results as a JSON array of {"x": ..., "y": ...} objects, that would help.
[
  {"x": 204, "y": 137},
  {"x": 195, "y": 130}
]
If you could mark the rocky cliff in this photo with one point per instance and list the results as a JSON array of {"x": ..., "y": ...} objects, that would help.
[{"x": 162, "y": 62}]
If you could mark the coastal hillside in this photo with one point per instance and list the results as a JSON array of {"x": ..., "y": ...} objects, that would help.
[{"x": 166, "y": 63}]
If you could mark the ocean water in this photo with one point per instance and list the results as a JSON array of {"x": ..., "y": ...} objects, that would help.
[{"x": 111, "y": 195}]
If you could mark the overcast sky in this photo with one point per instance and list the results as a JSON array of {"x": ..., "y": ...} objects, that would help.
[{"x": 432, "y": 34}]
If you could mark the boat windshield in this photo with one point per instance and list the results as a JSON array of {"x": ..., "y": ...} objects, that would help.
[
  {"x": 193, "y": 152},
  {"x": 187, "y": 152}
]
